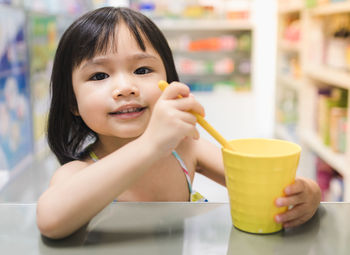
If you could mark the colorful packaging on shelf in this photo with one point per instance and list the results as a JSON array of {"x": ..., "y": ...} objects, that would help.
[
  {"x": 348, "y": 57},
  {"x": 320, "y": 2},
  {"x": 337, "y": 134},
  {"x": 327, "y": 99},
  {"x": 330, "y": 182},
  {"x": 324, "y": 175},
  {"x": 222, "y": 43},
  {"x": 342, "y": 134},
  {"x": 336, "y": 53}
]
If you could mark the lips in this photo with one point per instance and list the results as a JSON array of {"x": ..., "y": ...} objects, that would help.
[{"x": 128, "y": 111}]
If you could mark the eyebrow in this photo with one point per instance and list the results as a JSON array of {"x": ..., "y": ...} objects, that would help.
[{"x": 101, "y": 60}]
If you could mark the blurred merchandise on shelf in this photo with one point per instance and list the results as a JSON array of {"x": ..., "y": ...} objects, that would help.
[
  {"x": 329, "y": 42},
  {"x": 57, "y": 7},
  {"x": 330, "y": 182},
  {"x": 206, "y": 61},
  {"x": 290, "y": 65},
  {"x": 291, "y": 31},
  {"x": 314, "y": 61},
  {"x": 209, "y": 59},
  {"x": 314, "y": 3},
  {"x": 290, "y": 37},
  {"x": 220, "y": 43},
  {"x": 42, "y": 31},
  {"x": 15, "y": 112},
  {"x": 287, "y": 110},
  {"x": 102, "y": 3},
  {"x": 320, "y": 2},
  {"x": 338, "y": 129},
  {"x": 310, "y": 3},
  {"x": 245, "y": 42},
  {"x": 332, "y": 117},
  {"x": 43, "y": 35},
  {"x": 338, "y": 41},
  {"x": 315, "y": 44},
  {"x": 199, "y": 67},
  {"x": 29, "y": 35},
  {"x": 52, "y": 7},
  {"x": 5, "y": 1},
  {"x": 194, "y": 9}
]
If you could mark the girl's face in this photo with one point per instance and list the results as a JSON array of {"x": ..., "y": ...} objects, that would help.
[{"x": 116, "y": 92}]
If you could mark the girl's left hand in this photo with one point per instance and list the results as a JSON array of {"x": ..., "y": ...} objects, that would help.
[{"x": 304, "y": 196}]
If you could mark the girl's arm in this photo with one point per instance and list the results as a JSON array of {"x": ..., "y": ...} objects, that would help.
[
  {"x": 209, "y": 161},
  {"x": 78, "y": 192}
]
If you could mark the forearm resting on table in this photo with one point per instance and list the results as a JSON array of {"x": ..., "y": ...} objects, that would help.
[{"x": 68, "y": 205}]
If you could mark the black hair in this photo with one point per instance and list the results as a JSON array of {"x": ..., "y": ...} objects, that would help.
[{"x": 91, "y": 34}]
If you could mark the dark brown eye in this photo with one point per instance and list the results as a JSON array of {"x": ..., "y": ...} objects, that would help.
[
  {"x": 99, "y": 76},
  {"x": 142, "y": 70}
]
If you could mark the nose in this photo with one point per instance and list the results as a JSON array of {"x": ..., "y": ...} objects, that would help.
[{"x": 125, "y": 89}]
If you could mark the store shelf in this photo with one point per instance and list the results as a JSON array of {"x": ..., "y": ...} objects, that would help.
[
  {"x": 283, "y": 133},
  {"x": 203, "y": 25},
  {"x": 290, "y": 6},
  {"x": 332, "y": 8},
  {"x": 329, "y": 75},
  {"x": 314, "y": 29},
  {"x": 289, "y": 46},
  {"x": 335, "y": 160},
  {"x": 290, "y": 82}
]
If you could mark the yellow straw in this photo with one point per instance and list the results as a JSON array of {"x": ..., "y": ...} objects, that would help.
[{"x": 163, "y": 84}]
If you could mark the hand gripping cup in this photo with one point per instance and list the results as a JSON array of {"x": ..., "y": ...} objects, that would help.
[{"x": 256, "y": 174}]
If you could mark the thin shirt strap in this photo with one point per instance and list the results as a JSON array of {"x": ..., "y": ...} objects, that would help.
[
  {"x": 93, "y": 156},
  {"x": 184, "y": 169}
]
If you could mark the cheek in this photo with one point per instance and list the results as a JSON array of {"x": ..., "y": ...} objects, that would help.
[
  {"x": 90, "y": 106},
  {"x": 152, "y": 97}
]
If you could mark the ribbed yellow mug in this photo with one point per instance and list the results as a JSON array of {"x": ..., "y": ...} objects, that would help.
[{"x": 256, "y": 174}]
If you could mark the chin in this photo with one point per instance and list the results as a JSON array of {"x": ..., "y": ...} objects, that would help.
[{"x": 131, "y": 134}]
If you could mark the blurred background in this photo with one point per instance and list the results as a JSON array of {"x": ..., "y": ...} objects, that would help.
[{"x": 273, "y": 69}]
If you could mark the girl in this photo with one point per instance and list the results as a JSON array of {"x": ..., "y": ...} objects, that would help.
[{"x": 117, "y": 136}]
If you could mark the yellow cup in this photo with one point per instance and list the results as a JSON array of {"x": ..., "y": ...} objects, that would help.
[{"x": 256, "y": 174}]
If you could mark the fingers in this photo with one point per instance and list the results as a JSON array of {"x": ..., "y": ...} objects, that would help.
[
  {"x": 290, "y": 200},
  {"x": 186, "y": 117},
  {"x": 189, "y": 104},
  {"x": 188, "y": 122},
  {"x": 185, "y": 101},
  {"x": 290, "y": 214},
  {"x": 295, "y": 194},
  {"x": 192, "y": 133},
  {"x": 297, "y": 187},
  {"x": 176, "y": 89},
  {"x": 178, "y": 102},
  {"x": 303, "y": 197},
  {"x": 293, "y": 217}
]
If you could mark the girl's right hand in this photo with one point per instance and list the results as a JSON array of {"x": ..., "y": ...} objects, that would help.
[{"x": 171, "y": 121}]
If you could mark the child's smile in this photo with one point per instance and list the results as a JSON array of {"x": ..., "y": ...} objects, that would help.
[{"x": 129, "y": 111}]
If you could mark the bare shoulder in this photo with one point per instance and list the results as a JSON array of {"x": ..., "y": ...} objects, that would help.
[{"x": 68, "y": 170}]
